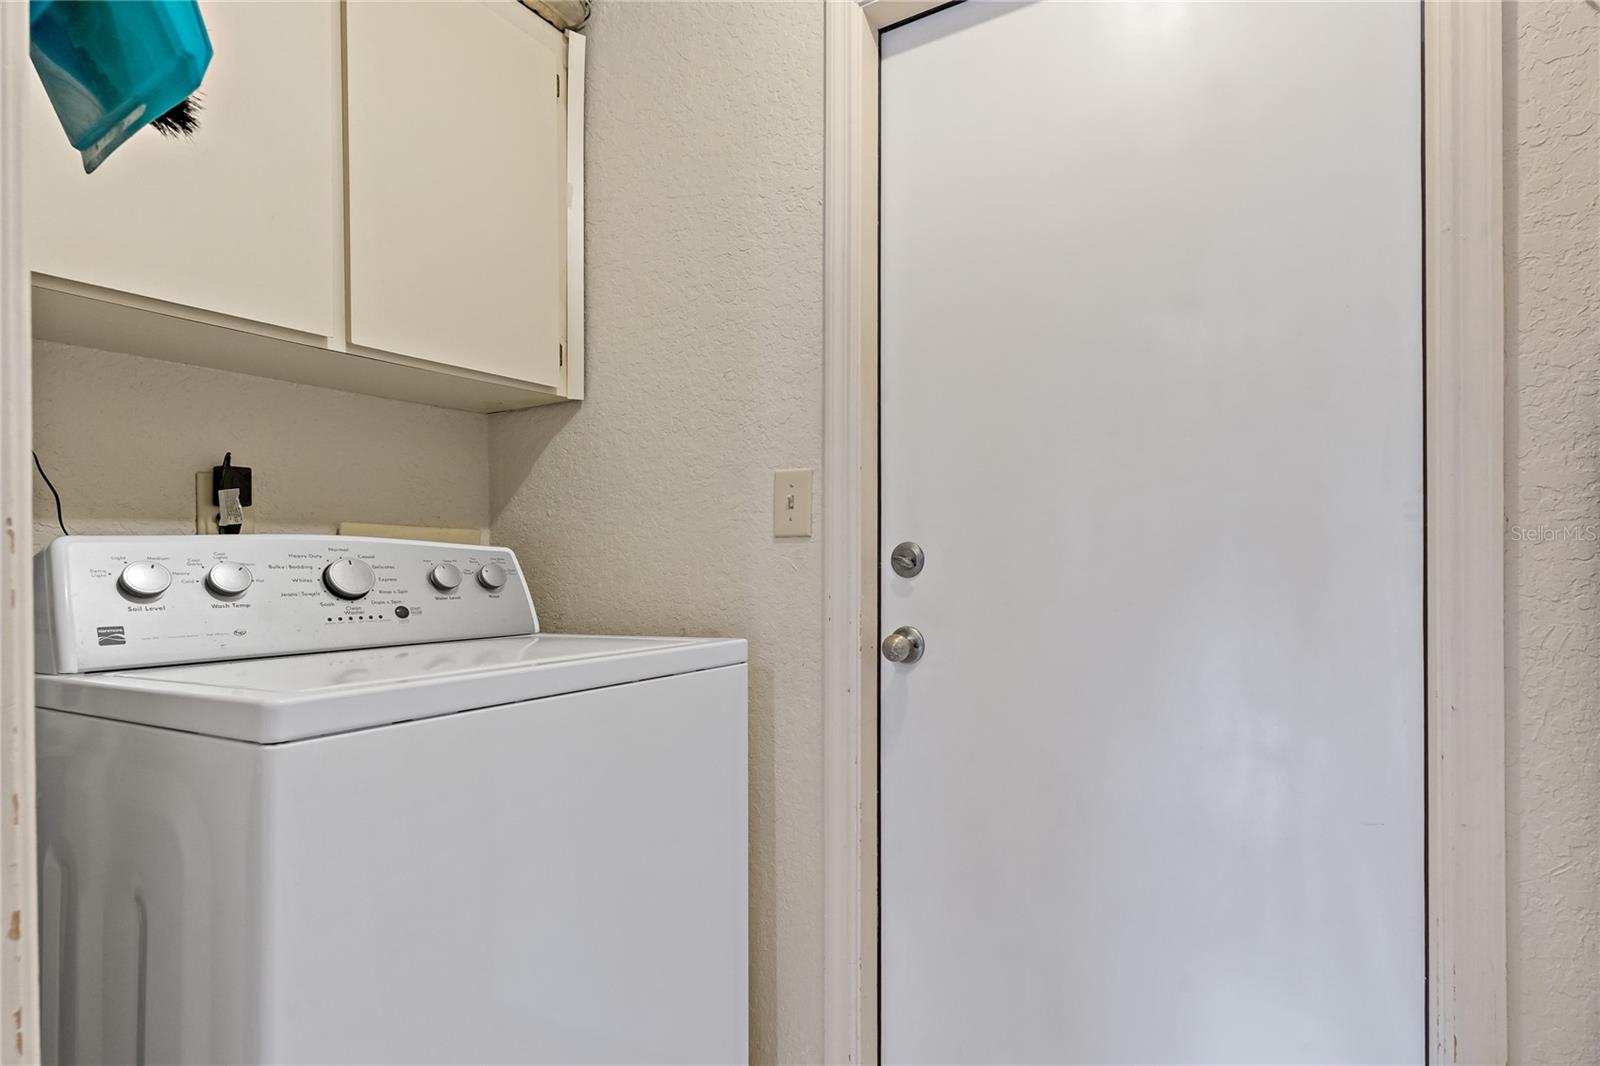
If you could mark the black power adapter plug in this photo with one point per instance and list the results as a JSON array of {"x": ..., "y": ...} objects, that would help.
[{"x": 225, "y": 477}]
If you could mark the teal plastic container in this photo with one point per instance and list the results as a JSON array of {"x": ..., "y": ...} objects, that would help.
[{"x": 111, "y": 67}]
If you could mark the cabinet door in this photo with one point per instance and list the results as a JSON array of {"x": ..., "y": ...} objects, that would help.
[
  {"x": 242, "y": 218},
  {"x": 457, "y": 175}
]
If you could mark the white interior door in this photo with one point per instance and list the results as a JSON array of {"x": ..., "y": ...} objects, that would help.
[{"x": 1152, "y": 406}]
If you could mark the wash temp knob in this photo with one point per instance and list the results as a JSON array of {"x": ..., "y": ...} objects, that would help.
[
  {"x": 349, "y": 579},
  {"x": 228, "y": 579}
]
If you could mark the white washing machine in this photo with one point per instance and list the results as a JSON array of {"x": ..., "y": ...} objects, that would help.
[{"x": 334, "y": 799}]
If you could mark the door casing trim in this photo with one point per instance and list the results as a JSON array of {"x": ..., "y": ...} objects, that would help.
[
  {"x": 850, "y": 536},
  {"x": 19, "y": 900},
  {"x": 1464, "y": 375},
  {"x": 1464, "y": 388}
]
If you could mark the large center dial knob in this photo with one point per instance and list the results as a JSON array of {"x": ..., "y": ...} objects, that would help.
[{"x": 349, "y": 579}]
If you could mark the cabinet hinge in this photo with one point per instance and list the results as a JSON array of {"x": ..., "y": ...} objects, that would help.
[
  {"x": 561, "y": 355},
  {"x": 558, "y": 86}
]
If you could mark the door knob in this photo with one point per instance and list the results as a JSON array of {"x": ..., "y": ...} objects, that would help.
[{"x": 904, "y": 645}]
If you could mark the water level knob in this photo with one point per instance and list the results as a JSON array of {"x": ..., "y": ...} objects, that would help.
[{"x": 445, "y": 577}]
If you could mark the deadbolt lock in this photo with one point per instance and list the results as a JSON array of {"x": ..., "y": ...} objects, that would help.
[{"x": 907, "y": 558}]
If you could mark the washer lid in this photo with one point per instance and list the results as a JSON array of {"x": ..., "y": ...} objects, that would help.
[{"x": 268, "y": 701}]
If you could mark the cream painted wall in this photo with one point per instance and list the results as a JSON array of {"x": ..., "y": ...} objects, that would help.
[
  {"x": 1552, "y": 556},
  {"x": 647, "y": 508},
  {"x": 122, "y": 438}
]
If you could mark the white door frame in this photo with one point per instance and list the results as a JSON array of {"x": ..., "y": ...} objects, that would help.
[
  {"x": 19, "y": 956},
  {"x": 1464, "y": 442}
]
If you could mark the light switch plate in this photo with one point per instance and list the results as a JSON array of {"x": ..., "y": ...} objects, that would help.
[
  {"x": 791, "y": 503},
  {"x": 205, "y": 507}
]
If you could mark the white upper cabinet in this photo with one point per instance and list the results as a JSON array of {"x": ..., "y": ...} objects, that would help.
[
  {"x": 242, "y": 219},
  {"x": 458, "y": 184},
  {"x": 383, "y": 196}
]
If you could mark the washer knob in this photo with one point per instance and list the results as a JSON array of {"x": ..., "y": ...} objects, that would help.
[
  {"x": 349, "y": 579},
  {"x": 145, "y": 580},
  {"x": 228, "y": 579},
  {"x": 492, "y": 576},
  {"x": 445, "y": 577}
]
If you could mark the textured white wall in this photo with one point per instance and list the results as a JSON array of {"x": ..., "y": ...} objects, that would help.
[
  {"x": 1553, "y": 559},
  {"x": 647, "y": 508},
  {"x": 122, "y": 437}
]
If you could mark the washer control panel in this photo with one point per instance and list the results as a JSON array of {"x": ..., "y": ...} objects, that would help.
[{"x": 111, "y": 603}]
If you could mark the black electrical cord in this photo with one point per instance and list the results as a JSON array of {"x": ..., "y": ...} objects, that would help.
[{"x": 60, "y": 521}]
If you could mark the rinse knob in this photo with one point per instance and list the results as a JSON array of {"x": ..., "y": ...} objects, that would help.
[
  {"x": 145, "y": 580},
  {"x": 445, "y": 577},
  {"x": 228, "y": 579},
  {"x": 492, "y": 576},
  {"x": 349, "y": 579}
]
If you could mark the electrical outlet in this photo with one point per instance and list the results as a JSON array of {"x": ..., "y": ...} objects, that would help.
[
  {"x": 205, "y": 507},
  {"x": 791, "y": 503}
]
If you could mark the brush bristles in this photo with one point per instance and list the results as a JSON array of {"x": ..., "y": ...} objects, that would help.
[{"x": 182, "y": 120}]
